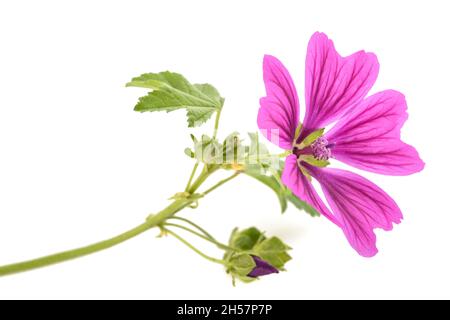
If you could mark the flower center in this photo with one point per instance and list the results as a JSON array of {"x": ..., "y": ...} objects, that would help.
[{"x": 321, "y": 149}]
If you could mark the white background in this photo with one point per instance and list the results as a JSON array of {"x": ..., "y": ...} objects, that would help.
[{"x": 77, "y": 165}]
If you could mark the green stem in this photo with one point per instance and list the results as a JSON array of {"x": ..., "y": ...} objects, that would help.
[
  {"x": 194, "y": 225},
  {"x": 212, "y": 240},
  {"x": 216, "y": 123},
  {"x": 206, "y": 172},
  {"x": 191, "y": 177},
  {"x": 221, "y": 182},
  {"x": 194, "y": 248},
  {"x": 152, "y": 221},
  {"x": 179, "y": 226},
  {"x": 72, "y": 254},
  {"x": 99, "y": 246}
]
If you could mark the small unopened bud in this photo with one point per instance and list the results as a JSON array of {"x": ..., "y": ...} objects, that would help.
[{"x": 262, "y": 268}]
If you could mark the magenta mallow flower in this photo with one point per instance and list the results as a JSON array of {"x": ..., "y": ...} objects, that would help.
[
  {"x": 262, "y": 268},
  {"x": 366, "y": 135}
]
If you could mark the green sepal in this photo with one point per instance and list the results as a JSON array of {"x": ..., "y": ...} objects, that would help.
[
  {"x": 246, "y": 239},
  {"x": 310, "y": 138},
  {"x": 313, "y": 161},
  {"x": 274, "y": 251},
  {"x": 297, "y": 132},
  {"x": 241, "y": 264},
  {"x": 189, "y": 152}
]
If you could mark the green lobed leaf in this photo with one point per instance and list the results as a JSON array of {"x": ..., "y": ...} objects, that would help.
[
  {"x": 171, "y": 91},
  {"x": 196, "y": 116},
  {"x": 210, "y": 92}
]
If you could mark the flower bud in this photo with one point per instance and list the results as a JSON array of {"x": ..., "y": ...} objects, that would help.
[{"x": 262, "y": 268}]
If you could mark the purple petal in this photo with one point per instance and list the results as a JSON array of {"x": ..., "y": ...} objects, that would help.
[
  {"x": 262, "y": 268},
  {"x": 295, "y": 180},
  {"x": 278, "y": 115},
  {"x": 359, "y": 205},
  {"x": 369, "y": 137},
  {"x": 333, "y": 83}
]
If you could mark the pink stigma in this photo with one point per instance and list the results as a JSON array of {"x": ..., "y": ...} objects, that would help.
[{"x": 321, "y": 149}]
